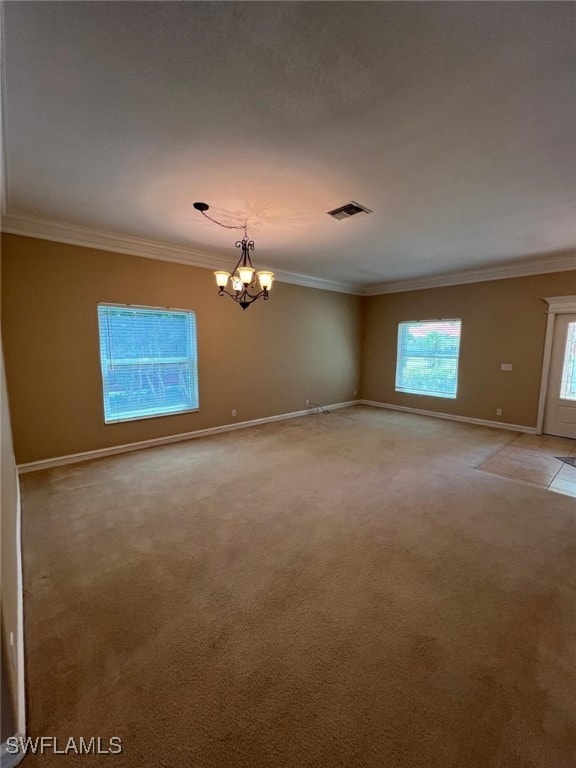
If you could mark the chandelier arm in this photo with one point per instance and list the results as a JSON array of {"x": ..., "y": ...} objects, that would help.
[
  {"x": 255, "y": 296},
  {"x": 222, "y": 291},
  {"x": 243, "y": 261},
  {"x": 242, "y": 295}
]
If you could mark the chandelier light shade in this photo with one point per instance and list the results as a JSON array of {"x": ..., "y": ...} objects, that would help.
[
  {"x": 243, "y": 277},
  {"x": 222, "y": 279},
  {"x": 266, "y": 279}
]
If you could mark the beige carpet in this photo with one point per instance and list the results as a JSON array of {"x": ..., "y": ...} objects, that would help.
[{"x": 337, "y": 590}]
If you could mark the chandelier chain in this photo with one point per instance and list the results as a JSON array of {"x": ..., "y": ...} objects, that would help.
[{"x": 226, "y": 226}]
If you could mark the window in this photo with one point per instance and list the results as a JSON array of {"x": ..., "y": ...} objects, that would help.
[
  {"x": 148, "y": 359},
  {"x": 568, "y": 382},
  {"x": 427, "y": 362}
]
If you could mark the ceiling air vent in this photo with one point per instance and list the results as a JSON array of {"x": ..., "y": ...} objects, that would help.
[{"x": 350, "y": 209}]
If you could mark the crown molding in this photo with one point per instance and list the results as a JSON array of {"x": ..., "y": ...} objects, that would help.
[
  {"x": 75, "y": 234},
  {"x": 310, "y": 281},
  {"x": 556, "y": 263},
  {"x": 88, "y": 237}
]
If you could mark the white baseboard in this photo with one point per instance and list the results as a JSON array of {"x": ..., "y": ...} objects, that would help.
[
  {"x": 451, "y": 417},
  {"x": 101, "y": 453},
  {"x": 59, "y": 461}
]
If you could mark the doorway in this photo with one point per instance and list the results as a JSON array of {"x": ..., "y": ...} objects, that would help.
[{"x": 560, "y": 406}]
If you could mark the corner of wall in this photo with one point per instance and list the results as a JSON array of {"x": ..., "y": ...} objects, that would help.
[{"x": 12, "y": 586}]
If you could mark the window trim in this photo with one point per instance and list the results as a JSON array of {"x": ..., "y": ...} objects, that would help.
[
  {"x": 457, "y": 358},
  {"x": 193, "y": 361}
]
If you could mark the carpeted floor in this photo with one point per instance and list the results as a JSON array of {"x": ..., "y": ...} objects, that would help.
[{"x": 336, "y": 590}]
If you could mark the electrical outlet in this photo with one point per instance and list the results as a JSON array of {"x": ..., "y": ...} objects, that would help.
[
  {"x": 355, "y": 392},
  {"x": 498, "y": 411},
  {"x": 233, "y": 411},
  {"x": 307, "y": 402}
]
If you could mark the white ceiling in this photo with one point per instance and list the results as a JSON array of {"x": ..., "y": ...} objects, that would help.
[{"x": 454, "y": 122}]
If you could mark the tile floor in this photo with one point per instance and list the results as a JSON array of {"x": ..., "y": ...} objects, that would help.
[{"x": 531, "y": 459}]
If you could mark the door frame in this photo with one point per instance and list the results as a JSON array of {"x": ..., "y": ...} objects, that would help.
[{"x": 557, "y": 305}]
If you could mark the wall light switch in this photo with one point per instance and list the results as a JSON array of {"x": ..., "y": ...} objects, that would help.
[{"x": 505, "y": 366}]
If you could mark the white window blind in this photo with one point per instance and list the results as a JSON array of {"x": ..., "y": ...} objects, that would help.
[
  {"x": 427, "y": 361},
  {"x": 149, "y": 361}
]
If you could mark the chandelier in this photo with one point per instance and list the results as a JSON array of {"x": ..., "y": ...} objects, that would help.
[{"x": 243, "y": 276}]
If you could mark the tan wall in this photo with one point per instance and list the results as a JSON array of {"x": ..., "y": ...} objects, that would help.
[
  {"x": 301, "y": 344},
  {"x": 503, "y": 321},
  {"x": 9, "y": 508}
]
